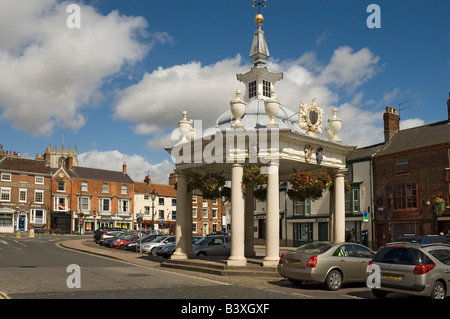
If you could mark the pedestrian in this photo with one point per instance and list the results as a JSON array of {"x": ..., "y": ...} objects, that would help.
[
  {"x": 348, "y": 235},
  {"x": 353, "y": 236}
]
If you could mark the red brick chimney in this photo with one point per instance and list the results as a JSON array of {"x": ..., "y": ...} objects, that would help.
[
  {"x": 124, "y": 167},
  {"x": 173, "y": 179},
  {"x": 148, "y": 180},
  {"x": 69, "y": 162},
  {"x": 391, "y": 122}
]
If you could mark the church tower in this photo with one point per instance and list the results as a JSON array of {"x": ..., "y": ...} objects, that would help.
[{"x": 56, "y": 158}]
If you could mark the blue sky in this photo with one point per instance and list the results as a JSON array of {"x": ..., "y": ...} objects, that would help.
[{"x": 116, "y": 87}]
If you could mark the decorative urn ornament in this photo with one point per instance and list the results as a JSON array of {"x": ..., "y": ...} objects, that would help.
[
  {"x": 272, "y": 106},
  {"x": 185, "y": 128},
  {"x": 237, "y": 109},
  {"x": 334, "y": 127}
]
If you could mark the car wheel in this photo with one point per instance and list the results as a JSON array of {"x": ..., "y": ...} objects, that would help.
[
  {"x": 201, "y": 253},
  {"x": 379, "y": 293},
  {"x": 438, "y": 291},
  {"x": 334, "y": 280}
]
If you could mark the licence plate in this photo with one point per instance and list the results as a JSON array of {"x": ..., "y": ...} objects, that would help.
[
  {"x": 293, "y": 261},
  {"x": 391, "y": 276}
]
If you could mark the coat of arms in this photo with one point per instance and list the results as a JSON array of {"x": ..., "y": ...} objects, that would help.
[{"x": 310, "y": 118}]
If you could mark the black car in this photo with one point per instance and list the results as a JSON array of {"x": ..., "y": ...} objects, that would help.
[{"x": 100, "y": 231}]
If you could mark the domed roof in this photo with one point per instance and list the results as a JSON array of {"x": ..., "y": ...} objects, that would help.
[{"x": 255, "y": 117}]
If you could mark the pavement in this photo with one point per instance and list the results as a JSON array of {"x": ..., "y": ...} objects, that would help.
[{"x": 215, "y": 265}]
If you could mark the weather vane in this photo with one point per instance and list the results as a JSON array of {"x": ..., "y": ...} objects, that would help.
[{"x": 259, "y": 4}]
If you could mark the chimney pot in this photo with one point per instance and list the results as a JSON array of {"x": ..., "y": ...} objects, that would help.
[
  {"x": 124, "y": 167},
  {"x": 391, "y": 122}
]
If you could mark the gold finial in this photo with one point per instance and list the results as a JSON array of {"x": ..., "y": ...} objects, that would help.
[{"x": 259, "y": 19}]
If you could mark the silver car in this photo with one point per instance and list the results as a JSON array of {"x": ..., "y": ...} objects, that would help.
[
  {"x": 416, "y": 269},
  {"x": 213, "y": 245},
  {"x": 162, "y": 240},
  {"x": 324, "y": 262}
]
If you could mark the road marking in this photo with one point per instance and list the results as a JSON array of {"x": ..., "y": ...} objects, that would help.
[
  {"x": 4, "y": 295},
  {"x": 3, "y": 242},
  {"x": 58, "y": 244}
]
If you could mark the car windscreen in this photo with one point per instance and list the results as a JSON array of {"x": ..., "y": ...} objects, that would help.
[
  {"x": 158, "y": 239},
  {"x": 315, "y": 248},
  {"x": 203, "y": 241},
  {"x": 397, "y": 255}
]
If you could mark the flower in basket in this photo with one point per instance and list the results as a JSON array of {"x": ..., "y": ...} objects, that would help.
[
  {"x": 212, "y": 184},
  {"x": 325, "y": 179},
  {"x": 439, "y": 204},
  {"x": 305, "y": 185},
  {"x": 252, "y": 176},
  {"x": 194, "y": 182}
]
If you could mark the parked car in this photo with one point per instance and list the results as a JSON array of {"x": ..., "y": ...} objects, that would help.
[
  {"x": 149, "y": 247},
  {"x": 100, "y": 231},
  {"x": 415, "y": 269},
  {"x": 331, "y": 263},
  {"x": 213, "y": 245},
  {"x": 134, "y": 243},
  {"x": 168, "y": 249},
  {"x": 428, "y": 239},
  {"x": 109, "y": 235},
  {"x": 108, "y": 242},
  {"x": 123, "y": 240}
]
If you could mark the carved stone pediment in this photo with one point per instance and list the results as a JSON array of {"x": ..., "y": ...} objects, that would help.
[{"x": 310, "y": 117}]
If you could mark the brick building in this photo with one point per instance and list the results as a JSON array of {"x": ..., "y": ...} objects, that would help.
[
  {"x": 158, "y": 214},
  {"x": 411, "y": 169},
  {"x": 84, "y": 199},
  {"x": 25, "y": 193}
]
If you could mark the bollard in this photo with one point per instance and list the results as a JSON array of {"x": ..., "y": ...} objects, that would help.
[
  {"x": 18, "y": 233},
  {"x": 32, "y": 233}
]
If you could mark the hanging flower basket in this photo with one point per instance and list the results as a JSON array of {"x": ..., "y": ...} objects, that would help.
[
  {"x": 306, "y": 185},
  {"x": 211, "y": 186},
  {"x": 252, "y": 176},
  {"x": 260, "y": 193},
  {"x": 439, "y": 206},
  {"x": 194, "y": 182}
]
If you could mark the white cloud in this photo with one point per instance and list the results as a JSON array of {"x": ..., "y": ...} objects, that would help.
[
  {"x": 50, "y": 72},
  {"x": 137, "y": 166},
  {"x": 157, "y": 101},
  {"x": 410, "y": 123}
]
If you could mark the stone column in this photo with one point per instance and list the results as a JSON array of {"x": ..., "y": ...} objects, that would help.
[
  {"x": 272, "y": 218},
  {"x": 249, "y": 221},
  {"x": 237, "y": 256},
  {"x": 339, "y": 207},
  {"x": 181, "y": 223}
]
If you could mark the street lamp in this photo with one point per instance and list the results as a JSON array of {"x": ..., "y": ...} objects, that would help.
[{"x": 153, "y": 195}]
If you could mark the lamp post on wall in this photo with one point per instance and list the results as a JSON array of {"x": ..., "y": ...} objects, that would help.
[{"x": 153, "y": 195}]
